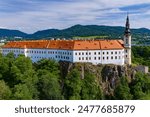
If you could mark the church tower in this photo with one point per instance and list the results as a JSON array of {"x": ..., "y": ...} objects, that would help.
[{"x": 127, "y": 42}]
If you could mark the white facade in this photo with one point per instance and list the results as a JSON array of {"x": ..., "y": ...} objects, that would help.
[
  {"x": 92, "y": 56},
  {"x": 100, "y": 56},
  {"x": 38, "y": 54}
]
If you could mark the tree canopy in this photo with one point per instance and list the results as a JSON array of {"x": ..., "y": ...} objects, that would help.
[{"x": 21, "y": 79}]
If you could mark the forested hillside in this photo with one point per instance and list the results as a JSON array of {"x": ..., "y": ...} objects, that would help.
[
  {"x": 47, "y": 79},
  {"x": 141, "y": 55},
  {"x": 11, "y": 33},
  {"x": 139, "y": 36}
]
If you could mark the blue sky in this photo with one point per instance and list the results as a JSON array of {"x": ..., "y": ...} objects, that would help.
[{"x": 32, "y": 15}]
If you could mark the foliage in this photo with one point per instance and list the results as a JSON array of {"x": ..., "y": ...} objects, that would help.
[
  {"x": 140, "y": 86},
  {"x": 122, "y": 91},
  {"x": 141, "y": 55},
  {"x": 50, "y": 65},
  {"x": 22, "y": 92},
  {"x": 48, "y": 85},
  {"x": 85, "y": 89},
  {"x": 5, "y": 91},
  {"x": 21, "y": 79},
  {"x": 73, "y": 85},
  {"x": 146, "y": 97},
  {"x": 90, "y": 87}
]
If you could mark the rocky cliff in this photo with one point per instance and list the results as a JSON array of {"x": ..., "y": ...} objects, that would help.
[{"x": 106, "y": 75}]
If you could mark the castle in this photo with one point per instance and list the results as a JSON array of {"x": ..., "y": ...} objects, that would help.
[{"x": 94, "y": 51}]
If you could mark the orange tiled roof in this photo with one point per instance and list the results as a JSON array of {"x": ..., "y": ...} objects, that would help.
[{"x": 67, "y": 44}]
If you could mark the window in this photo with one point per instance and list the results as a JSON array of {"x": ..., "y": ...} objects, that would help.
[
  {"x": 119, "y": 57},
  {"x": 86, "y": 53},
  {"x": 89, "y": 53},
  {"x": 82, "y": 53},
  {"x": 94, "y": 53},
  {"x": 86, "y": 58},
  {"x": 82, "y": 58},
  {"x": 119, "y": 52},
  {"x": 94, "y": 58},
  {"x": 126, "y": 41},
  {"x": 112, "y": 57},
  {"x": 107, "y": 52},
  {"x": 115, "y": 57},
  {"x": 115, "y": 52},
  {"x": 103, "y": 52},
  {"x": 99, "y": 53},
  {"x": 76, "y": 53},
  {"x": 103, "y": 58},
  {"x": 126, "y": 56},
  {"x": 89, "y": 58},
  {"x": 107, "y": 57},
  {"x": 99, "y": 58},
  {"x": 79, "y": 53}
]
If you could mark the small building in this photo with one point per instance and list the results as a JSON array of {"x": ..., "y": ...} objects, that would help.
[{"x": 142, "y": 68}]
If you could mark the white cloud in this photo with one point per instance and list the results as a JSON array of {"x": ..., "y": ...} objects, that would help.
[{"x": 33, "y": 15}]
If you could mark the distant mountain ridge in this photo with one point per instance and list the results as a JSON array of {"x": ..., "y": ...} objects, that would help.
[
  {"x": 11, "y": 33},
  {"x": 76, "y": 31}
]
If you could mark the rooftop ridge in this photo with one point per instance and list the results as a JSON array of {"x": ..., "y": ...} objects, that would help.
[{"x": 67, "y": 44}]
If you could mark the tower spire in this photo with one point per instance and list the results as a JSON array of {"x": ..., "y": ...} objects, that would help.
[
  {"x": 127, "y": 28},
  {"x": 127, "y": 42}
]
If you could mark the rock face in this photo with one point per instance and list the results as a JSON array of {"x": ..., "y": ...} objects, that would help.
[{"x": 106, "y": 75}]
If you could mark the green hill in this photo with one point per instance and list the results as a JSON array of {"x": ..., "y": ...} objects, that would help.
[
  {"x": 11, "y": 33},
  {"x": 141, "y": 35}
]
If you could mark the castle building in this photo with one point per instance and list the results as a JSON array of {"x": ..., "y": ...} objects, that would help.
[{"x": 94, "y": 51}]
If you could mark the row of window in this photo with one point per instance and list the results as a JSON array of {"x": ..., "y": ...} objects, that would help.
[
  {"x": 97, "y": 53},
  {"x": 38, "y": 52},
  {"x": 99, "y": 58},
  {"x": 39, "y": 57},
  {"x": 49, "y": 52},
  {"x": 63, "y": 57},
  {"x": 18, "y": 51}
]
